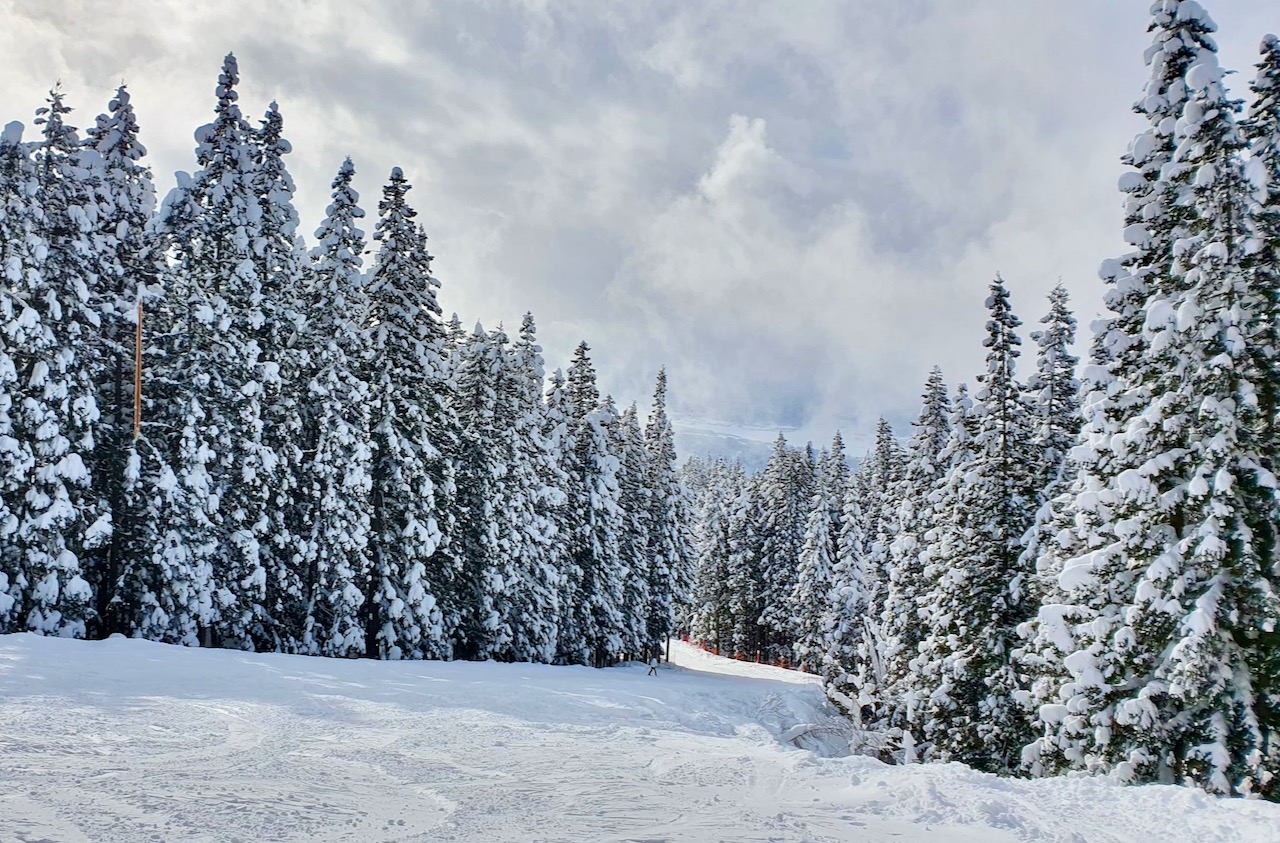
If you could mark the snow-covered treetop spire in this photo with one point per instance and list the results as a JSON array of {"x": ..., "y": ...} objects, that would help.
[
  {"x": 228, "y": 79},
  {"x": 1001, "y": 341},
  {"x": 275, "y": 190},
  {"x": 1054, "y": 385},
  {"x": 932, "y": 427},
  {"x": 584, "y": 396},
  {"x": 401, "y": 286},
  {"x": 57, "y": 134},
  {"x": 225, "y": 137},
  {"x": 339, "y": 226},
  {"x": 338, "y": 256},
  {"x": 1180, "y": 34},
  {"x": 528, "y": 330},
  {"x": 116, "y": 134},
  {"x": 658, "y": 431}
]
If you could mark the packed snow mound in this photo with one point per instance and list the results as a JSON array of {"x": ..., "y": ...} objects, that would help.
[{"x": 129, "y": 740}]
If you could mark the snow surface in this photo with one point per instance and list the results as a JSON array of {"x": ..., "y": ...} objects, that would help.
[{"x": 128, "y": 740}]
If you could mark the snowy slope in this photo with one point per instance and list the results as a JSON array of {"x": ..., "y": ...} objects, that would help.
[{"x": 128, "y": 740}]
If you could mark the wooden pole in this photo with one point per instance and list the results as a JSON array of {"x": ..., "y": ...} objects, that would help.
[{"x": 137, "y": 375}]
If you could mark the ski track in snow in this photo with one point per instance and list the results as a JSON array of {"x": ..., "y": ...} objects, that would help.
[{"x": 134, "y": 741}]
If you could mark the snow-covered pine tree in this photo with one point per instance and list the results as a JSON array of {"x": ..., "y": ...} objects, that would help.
[
  {"x": 852, "y": 667},
  {"x": 633, "y": 544},
  {"x": 593, "y": 507},
  {"x": 533, "y": 501},
  {"x": 1180, "y": 29},
  {"x": 670, "y": 572},
  {"x": 561, "y": 431},
  {"x": 923, "y": 671},
  {"x": 1054, "y": 388},
  {"x": 280, "y": 259},
  {"x": 879, "y": 485},
  {"x": 19, "y": 326},
  {"x": 1054, "y": 393},
  {"x": 60, "y": 521},
  {"x": 15, "y": 456},
  {"x": 127, "y": 265},
  {"x": 172, "y": 580},
  {"x": 714, "y": 592},
  {"x": 974, "y": 604},
  {"x": 746, "y": 570},
  {"x": 1117, "y": 387},
  {"x": 1262, "y": 132},
  {"x": 213, "y": 370},
  {"x": 1165, "y": 604},
  {"x": 856, "y": 642},
  {"x": 815, "y": 577},
  {"x": 484, "y": 532},
  {"x": 335, "y": 473},
  {"x": 410, "y": 606},
  {"x": 786, "y": 491},
  {"x": 924, "y": 468}
]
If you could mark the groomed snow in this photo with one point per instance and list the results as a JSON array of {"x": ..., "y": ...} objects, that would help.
[{"x": 127, "y": 740}]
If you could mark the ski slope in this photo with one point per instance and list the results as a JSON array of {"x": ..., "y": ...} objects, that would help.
[{"x": 124, "y": 740}]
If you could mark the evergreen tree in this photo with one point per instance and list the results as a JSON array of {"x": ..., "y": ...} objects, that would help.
[
  {"x": 561, "y": 432},
  {"x": 60, "y": 522},
  {"x": 924, "y": 469},
  {"x": 20, "y": 327},
  {"x": 852, "y": 667},
  {"x": 335, "y": 463},
  {"x": 1262, "y": 132},
  {"x": 786, "y": 490},
  {"x": 532, "y": 504},
  {"x": 815, "y": 577},
  {"x": 126, "y": 266},
  {"x": 222, "y": 462},
  {"x": 746, "y": 574},
  {"x": 486, "y": 543},
  {"x": 1054, "y": 389},
  {"x": 975, "y": 599},
  {"x": 594, "y": 520},
  {"x": 1180, "y": 30},
  {"x": 279, "y": 257},
  {"x": 1055, "y": 395},
  {"x": 1165, "y": 606},
  {"x": 714, "y": 590},
  {"x": 633, "y": 544},
  {"x": 669, "y": 571},
  {"x": 410, "y": 605},
  {"x": 879, "y": 487}
]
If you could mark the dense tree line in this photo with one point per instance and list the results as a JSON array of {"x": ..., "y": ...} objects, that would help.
[
  {"x": 317, "y": 462},
  {"x": 1067, "y": 571}
]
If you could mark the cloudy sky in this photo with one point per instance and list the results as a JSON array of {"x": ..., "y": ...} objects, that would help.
[{"x": 796, "y": 207}]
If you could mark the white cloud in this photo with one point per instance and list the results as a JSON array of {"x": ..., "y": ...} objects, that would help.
[{"x": 797, "y": 207}]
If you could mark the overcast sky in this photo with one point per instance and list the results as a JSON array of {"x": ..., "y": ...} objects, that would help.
[{"x": 795, "y": 206}]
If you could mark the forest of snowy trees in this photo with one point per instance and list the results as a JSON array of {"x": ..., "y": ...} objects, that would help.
[
  {"x": 1054, "y": 573},
  {"x": 318, "y": 463}
]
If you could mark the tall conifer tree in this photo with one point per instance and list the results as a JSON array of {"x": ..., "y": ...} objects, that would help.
[
  {"x": 975, "y": 580},
  {"x": 410, "y": 604}
]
